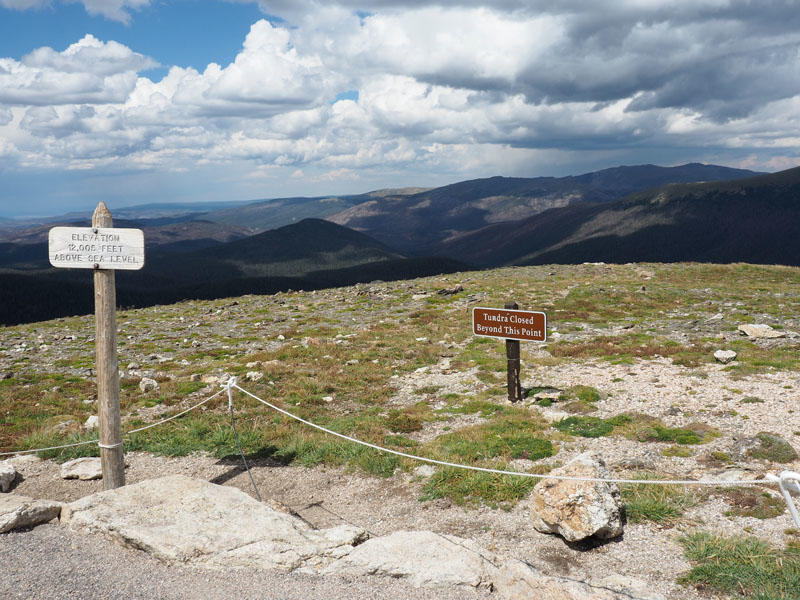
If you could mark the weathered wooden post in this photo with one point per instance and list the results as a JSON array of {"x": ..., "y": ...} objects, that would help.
[
  {"x": 103, "y": 249},
  {"x": 513, "y": 357},
  {"x": 112, "y": 460},
  {"x": 513, "y": 325}
]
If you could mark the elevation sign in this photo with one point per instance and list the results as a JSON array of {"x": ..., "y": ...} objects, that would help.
[
  {"x": 509, "y": 324},
  {"x": 96, "y": 248}
]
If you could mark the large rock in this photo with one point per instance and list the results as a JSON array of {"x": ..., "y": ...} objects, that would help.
[
  {"x": 8, "y": 473},
  {"x": 578, "y": 509},
  {"x": 520, "y": 581},
  {"x": 177, "y": 518},
  {"x": 85, "y": 469},
  {"x": 17, "y": 512},
  {"x": 425, "y": 558},
  {"x": 758, "y": 331}
]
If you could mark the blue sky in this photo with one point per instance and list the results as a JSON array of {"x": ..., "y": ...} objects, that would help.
[{"x": 136, "y": 101}]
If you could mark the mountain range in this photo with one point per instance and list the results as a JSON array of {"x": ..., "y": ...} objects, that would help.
[{"x": 692, "y": 212}]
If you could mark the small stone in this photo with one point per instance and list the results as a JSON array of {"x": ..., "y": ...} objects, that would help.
[
  {"x": 254, "y": 375},
  {"x": 725, "y": 356},
  {"x": 253, "y": 365},
  {"x": 760, "y": 331},
  {"x": 8, "y": 473},
  {"x": 85, "y": 469},
  {"x": 132, "y": 366},
  {"x": 93, "y": 422},
  {"x": 195, "y": 377},
  {"x": 210, "y": 379},
  {"x": 281, "y": 337},
  {"x": 352, "y": 361},
  {"x": 6, "y": 375},
  {"x": 325, "y": 398},
  {"x": 146, "y": 384},
  {"x": 424, "y": 470}
]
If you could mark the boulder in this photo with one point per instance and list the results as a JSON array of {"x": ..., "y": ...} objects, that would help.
[
  {"x": 517, "y": 580},
  {"x": 758, "y": 331},
  {"x": 177, "y": 518},
  {"x": 93, "y": 422},
  {"x": 576, "y": 510},
  {"x": 725, "y": 356},
  {"x": 17, "y": 512},
  {"x": 147, "y": 384},
  {"x": 8, "y": 473},
  {"x": 85, "y": 469},
  {"x": 425, "y": 558}
]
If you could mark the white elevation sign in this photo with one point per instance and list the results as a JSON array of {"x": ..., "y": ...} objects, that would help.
[{"x": 96, "y": 248}]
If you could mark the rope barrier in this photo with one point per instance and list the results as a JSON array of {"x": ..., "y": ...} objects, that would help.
[
  {"x": 500, "y": 471},
  {"x": 787, "y": 481},
  {"x": 127, "y": 433}
]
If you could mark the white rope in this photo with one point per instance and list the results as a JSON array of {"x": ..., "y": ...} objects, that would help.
[
  {"x": 127, "y": 433},
  {"x": 502, "y": 472},
  {"x": 109, "y": 446}
]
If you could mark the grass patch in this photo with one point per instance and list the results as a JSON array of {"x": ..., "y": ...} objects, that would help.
[
  {"x": 656, "y": 503},
  {"x": 742, "y": 566},
  {"x": 472, "y": 487},
  {"x": 747, "y": 502},
  {"x": 591, "y": 427},
  {"x": 774, "y": 448}
]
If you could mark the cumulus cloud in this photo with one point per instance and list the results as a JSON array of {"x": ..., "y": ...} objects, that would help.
[
  {"x": 471, "y": 88},
  {"x": 89, "y": 71}
]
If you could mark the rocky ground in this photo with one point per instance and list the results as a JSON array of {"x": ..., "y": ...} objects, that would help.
[{"x": 641, "y": 336}]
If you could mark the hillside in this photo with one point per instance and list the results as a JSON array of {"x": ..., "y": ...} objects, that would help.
[
  {"x": 628, "y": 372},
  {"x": 308, "y": 255},
  {"x": 751, "y": 220},
  {"x": 419, "y": 223}
]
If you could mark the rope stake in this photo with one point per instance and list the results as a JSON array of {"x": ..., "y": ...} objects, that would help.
[{"x": 229, "y": 385}]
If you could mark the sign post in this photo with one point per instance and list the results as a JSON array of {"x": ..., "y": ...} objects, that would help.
[
  {"x": 513, "y": 325},
  {"x": 103, "y": 249}
]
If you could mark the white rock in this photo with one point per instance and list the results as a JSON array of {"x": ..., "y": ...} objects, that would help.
[
  {"x": 146, "y": 384},
  {"x": 725, "y": 356},
  {"x": 427, "y": 559},
  {"x": 177, "y": 518},
  {"x": 212, "y": 379},
  {"x": 254, "y": 375},
  {"x": 17, "y": 512},
  {"x": 8, "y": 473},
  {"x": 759, "y": 331},
  {"x": 85, "y": 469},
  {"x": 93, "y": 422},
  {"x": 519, "y": 581},
  {"x": 578, "y": 509}
]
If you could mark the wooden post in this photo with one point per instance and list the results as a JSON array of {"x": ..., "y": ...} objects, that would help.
[
  {"x": 513, "y": 356},
  {"x": 107, "y": 368}
]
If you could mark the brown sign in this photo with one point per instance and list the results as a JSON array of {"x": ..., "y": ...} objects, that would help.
[{"x": 509, "y": 324}]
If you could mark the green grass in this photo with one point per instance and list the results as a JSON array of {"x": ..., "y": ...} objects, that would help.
[
  {"x": 744, "y": 567},
  {"x": 655, "y": 503},
  {"x": 591, "y": 427},
  {"x": 474, "y": 487}
]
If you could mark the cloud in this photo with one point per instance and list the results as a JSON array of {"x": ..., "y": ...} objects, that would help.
[
  {"x": 115, "y": 10},
  {"x": 89, "y": 71},
  {"x": 412, "y": 88}
]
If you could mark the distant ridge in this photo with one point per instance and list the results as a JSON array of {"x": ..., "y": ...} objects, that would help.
[
  {"x": 755, "y": 220},
  {"x": 419, "y": 223}
]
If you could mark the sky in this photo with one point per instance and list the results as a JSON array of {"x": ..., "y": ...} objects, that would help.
[{"x": 140, "y": 101}]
